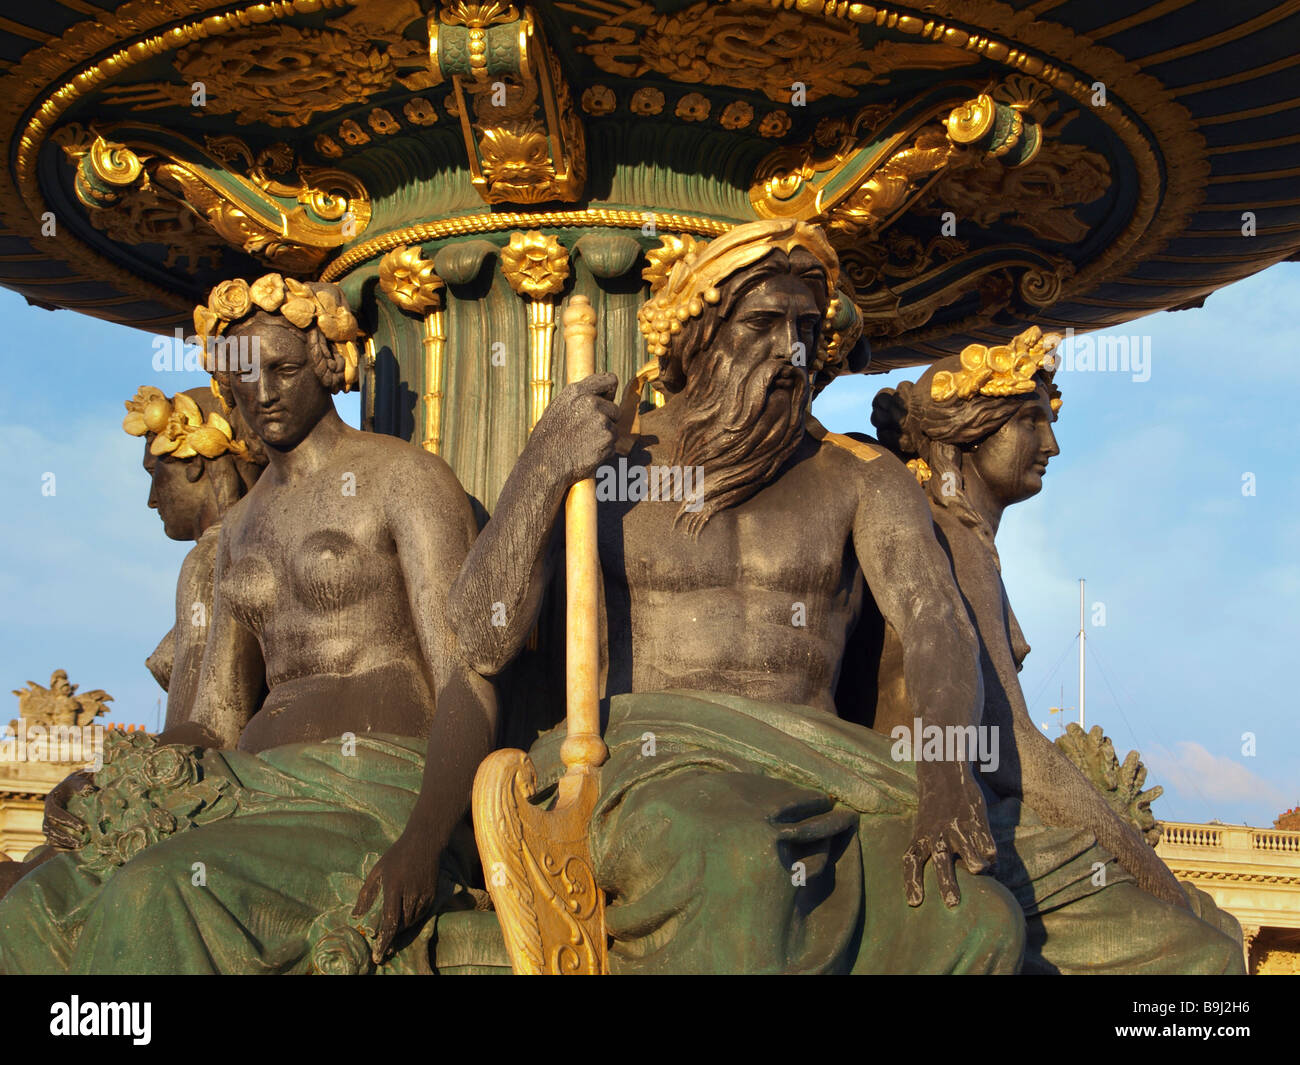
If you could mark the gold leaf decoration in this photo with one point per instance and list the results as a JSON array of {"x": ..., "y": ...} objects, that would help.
[{"x": 408, "y": 279}]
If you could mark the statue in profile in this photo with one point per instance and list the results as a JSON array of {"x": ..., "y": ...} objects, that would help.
[
  {"x": 201, "y": 460},
  {"x": 976, "y": 432},
  {"x": 307, "y": 815}
]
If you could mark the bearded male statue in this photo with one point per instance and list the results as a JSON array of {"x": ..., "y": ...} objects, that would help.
[{"x": 742, "y": 824}]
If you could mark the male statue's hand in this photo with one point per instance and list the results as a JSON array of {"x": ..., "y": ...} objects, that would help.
[
  {"x": 951, "y": 820},
  {"x": 65, "y": 831},
  {"x": 579, "y": 427},
  {"x": 405, "y": 879}
]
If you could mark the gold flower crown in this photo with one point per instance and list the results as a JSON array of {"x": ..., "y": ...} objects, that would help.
[
  {"x": 685, "y": 274},
  {"x": 178, "y": 426},
  {"x": 1005, "y": 370},
  {"x": 299, "y": 303}
]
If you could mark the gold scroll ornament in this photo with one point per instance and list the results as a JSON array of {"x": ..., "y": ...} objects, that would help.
[
  {"x": 537, "y": 861},
  {"x": 523, "y": 137},
  {"x": 408, "y": 279}
]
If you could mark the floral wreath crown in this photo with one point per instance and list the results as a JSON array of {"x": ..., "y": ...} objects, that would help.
[
  {"x": 1004, "y": 370},
  {"x": 298, "y": 302},
  {"x": 179, "y": 429}
]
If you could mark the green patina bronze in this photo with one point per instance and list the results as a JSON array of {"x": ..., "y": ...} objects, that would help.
[{"x": 227, "y": 862}]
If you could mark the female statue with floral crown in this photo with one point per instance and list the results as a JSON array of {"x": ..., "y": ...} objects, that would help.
[
  {"x": 976, "y": 431},
  {"x": 293, "y": 823},
  {"x": 201, "y": 461},
  {"x": 199, "y": 465}
]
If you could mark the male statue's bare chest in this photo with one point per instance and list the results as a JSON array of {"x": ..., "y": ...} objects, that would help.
[{"x": 793, "y": 535}]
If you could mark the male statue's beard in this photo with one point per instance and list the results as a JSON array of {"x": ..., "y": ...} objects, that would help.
[{"x": 739, "y": 428}]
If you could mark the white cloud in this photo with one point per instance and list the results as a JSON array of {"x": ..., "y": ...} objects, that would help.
[{"x": 1193, "y": 771}]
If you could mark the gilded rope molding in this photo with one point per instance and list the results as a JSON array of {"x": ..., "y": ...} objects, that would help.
[{"x": 463, "y": 225}]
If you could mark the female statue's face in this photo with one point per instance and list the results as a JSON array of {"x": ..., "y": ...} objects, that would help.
[
  {"x": 1012, "y": 461},
  {"x": 180, "y": 502},
  {"x": 284, "y": 399}
]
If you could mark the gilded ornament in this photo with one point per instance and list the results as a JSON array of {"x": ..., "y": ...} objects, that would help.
[
  {"x": 647, "y": 101},
  {"x": 972, "y": 121},
  {"x": 748, "y": 46},
  {"x": 920, "y": 470},
  {"x": 419, "y": 111},
  {"x": 535, "y": 264},
  {"x": 288, "y": 223},
  {"x": 383, "y": 122},
  {"x": 661, "y": 260},
  {"x": 599, "y": 100},
  {"x": 178, "y": 428},
  {"x": 695, "y": 275},
  {"x": 1004, "y": 370},
  {"x": 775, "y": 124},
  {"x": 409, "y": 280},
  {"x": 545, "y": 894},
  {"x": 516, "y": 160},
  {"x": 530, "y": 146},
  {"x": 45, "y": 84},
  {"x": 300, "y": 303},
  {"x": 352, "y": 133},
  {"x": 693, "y": 107},
  {"x": 328, "y": 146},
  {"x": 1043, "y": 195},
  {"x": 280, "y": 76},
  {"x": 464, "y": 225},
  {"x": 736, "y": 115},
  {"x": 832, "y": 131}
]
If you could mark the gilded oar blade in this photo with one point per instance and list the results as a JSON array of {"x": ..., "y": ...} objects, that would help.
[{"x": 538, "y": 867}]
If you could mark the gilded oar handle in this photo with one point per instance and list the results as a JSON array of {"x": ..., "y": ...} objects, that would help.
[{"x": 583, "y": 748}]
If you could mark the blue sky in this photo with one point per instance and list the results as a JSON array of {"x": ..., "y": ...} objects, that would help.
[{"x": 1200, "y": 583}]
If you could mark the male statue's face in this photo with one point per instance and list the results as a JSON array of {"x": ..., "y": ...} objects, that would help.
[
  {"x": 1012, "y": 461},
  {"x": 746, "y": 394},
  {"x": 285, "y": 398},
  {"x": 775, "y": 321}
]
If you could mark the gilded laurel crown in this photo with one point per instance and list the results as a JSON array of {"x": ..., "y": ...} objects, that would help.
[
  {"x": 178, "y": 427},
  {"x": 684, "y": 273},
  {"x": 1004, "y": 370},
  {"x": 299, "y": 303}
]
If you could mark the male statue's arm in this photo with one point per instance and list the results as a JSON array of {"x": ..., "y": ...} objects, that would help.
[
  {"x": 464, "y": 726},
  {"x": 497, "y": 596},
  {"x": 911, "y": 580}
]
